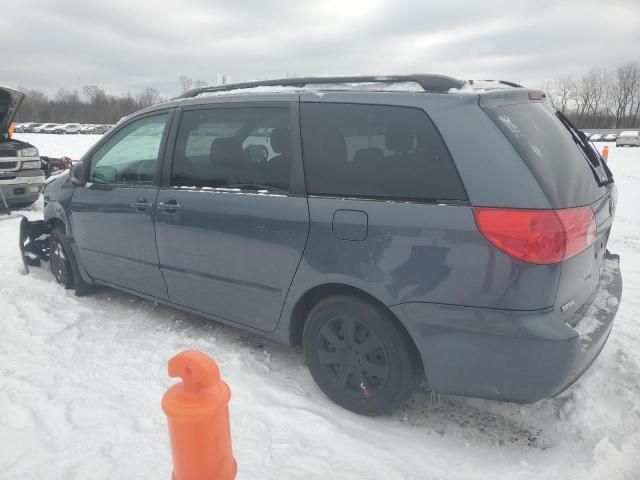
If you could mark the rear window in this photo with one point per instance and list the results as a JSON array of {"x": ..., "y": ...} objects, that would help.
[
  {"x": 376, "y": 151},
  {"x": 548, "y": 149}
]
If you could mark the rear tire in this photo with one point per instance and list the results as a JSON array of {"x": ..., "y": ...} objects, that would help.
[{"x": 358, "y": 355}]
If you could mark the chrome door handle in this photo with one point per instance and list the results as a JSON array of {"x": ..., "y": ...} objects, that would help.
[
  {"x": 170, "y": 205},
  {"x": 141, "y": 205}
]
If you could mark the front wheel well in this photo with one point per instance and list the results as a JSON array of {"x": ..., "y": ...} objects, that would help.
[
  {"x": 57, "y": 223},
  {"x": 313, "y": 296}
]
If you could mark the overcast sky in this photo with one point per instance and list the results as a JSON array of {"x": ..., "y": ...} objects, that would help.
[{"x": 125, "y": 45}]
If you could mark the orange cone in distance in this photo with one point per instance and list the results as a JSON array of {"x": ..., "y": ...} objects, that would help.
[
  {"x": 198, "y": 417},
  {"x": 605, "y": 152}
]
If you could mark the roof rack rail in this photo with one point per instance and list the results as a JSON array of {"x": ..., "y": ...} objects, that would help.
[
  {"x": 429, "y": 83},
  {"x": 503, "y": 82}
]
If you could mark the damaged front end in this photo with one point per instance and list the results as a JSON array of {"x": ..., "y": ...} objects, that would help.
[{"x": 34, "y": 242}]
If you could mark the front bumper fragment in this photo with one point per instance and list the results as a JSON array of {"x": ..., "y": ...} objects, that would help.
[{"x": 34, "y": 242}]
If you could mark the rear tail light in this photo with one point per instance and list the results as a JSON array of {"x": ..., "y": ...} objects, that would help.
[{"x": 538, "y": 236}]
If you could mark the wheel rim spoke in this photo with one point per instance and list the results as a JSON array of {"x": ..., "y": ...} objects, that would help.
[
  {"x": 348, "y": 331},
  {"x": 330, "y": 335},
  {"x": 371, "y": 368},
  {"x": 343, "y": 376},
  {"x": 368, "y": 344},
  {"x": 328, "y": 358}
]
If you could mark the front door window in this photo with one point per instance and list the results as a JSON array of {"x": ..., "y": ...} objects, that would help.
[{"x": 131, "y": 155}]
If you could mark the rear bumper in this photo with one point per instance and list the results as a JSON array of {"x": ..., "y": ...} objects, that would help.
[{"x": 511, "y": 355}]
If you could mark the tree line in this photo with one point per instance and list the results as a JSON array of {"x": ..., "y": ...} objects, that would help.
[
  {"x": 92, "y": 104},
  {"x": 600, "y": 98}
]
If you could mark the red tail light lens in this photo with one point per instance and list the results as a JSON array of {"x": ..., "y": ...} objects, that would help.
[{"x": 538, "y": 236}]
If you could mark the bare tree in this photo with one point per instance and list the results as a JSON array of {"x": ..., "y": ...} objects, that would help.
[
  {"x": 634, "y": 96},
  {"x": 564, "y": 88},
  {"x": 634, "y": 108},
  {"x": 185, "y": 82},
  {"x": 589, "y": 98},
  {"x": 147, "y": 97},
  {"x": 623, "y": 87}
]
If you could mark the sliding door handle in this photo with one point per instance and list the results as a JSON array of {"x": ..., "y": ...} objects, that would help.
[
  {"x": 169, "y": 205},
  {"x": 141, "y": 205}
]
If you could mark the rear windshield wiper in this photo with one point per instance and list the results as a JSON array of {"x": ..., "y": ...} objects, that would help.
[{"x": 593, "y": 158}]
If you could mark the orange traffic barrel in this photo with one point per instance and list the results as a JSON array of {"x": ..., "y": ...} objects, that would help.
[
  {"x": 605, "y": 152},
  {"x": 198, "y": 417}
]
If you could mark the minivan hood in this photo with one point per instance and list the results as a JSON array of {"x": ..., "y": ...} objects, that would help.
[{"x": 10, "y": 101}]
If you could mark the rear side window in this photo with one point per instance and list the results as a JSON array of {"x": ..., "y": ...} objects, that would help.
[
  {"x": 550, "y": 152},
  {"x": 376, "y": 151},
  {"x": 234, "y": 147}
]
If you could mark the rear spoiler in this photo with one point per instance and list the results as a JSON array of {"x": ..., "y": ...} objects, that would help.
[{"x": 498, "y": 98}]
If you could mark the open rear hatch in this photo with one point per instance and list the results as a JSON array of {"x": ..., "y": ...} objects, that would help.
[
  {"x": 573, "y": 176},
  {"x": 10, "y": 101}
]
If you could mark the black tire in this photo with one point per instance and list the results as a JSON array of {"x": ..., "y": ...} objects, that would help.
[
  {"x": 63, "y": 264},
  {"x": 60, "y": 259},
  {"x": 358, "y": 355}
]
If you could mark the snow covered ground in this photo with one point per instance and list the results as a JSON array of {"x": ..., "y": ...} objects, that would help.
[{"x": 81, "y": 382}]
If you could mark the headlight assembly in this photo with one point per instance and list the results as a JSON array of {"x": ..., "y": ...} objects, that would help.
[{"x": 28, "y": 152}]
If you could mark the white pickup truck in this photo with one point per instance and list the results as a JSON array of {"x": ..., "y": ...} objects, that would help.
[{"x": 21, "y": 175}]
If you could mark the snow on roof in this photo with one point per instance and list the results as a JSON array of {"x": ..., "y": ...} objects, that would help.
[
  {"x": 481, "y": 86},
  {"x": 390, "y": 86}
]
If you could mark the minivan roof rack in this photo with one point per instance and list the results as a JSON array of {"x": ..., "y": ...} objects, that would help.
[{"x": 428, "y": 82}]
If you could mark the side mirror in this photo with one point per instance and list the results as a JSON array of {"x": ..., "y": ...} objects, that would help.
[{"x": 77, "y": 175}]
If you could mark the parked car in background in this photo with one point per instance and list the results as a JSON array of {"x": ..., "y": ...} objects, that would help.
[
  {"x": 628, "y": 138},
  {"x": 596, "y": 137},
  {"x": 21, "y": 178},
  {"x": 366, "y": 229},
  {"x": 67, "y": 128},
  {"x": 53, "y": 128},
  {"x": 610, "y": 137},
  {"x": 29, "y": 127},
  {"x": 101, "y": 129},
  {"x": 86, "y": 129},
  {"x": 43, "y": 127}
]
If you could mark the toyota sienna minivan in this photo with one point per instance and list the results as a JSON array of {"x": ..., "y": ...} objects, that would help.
[{"x": 400, "y": 229}]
